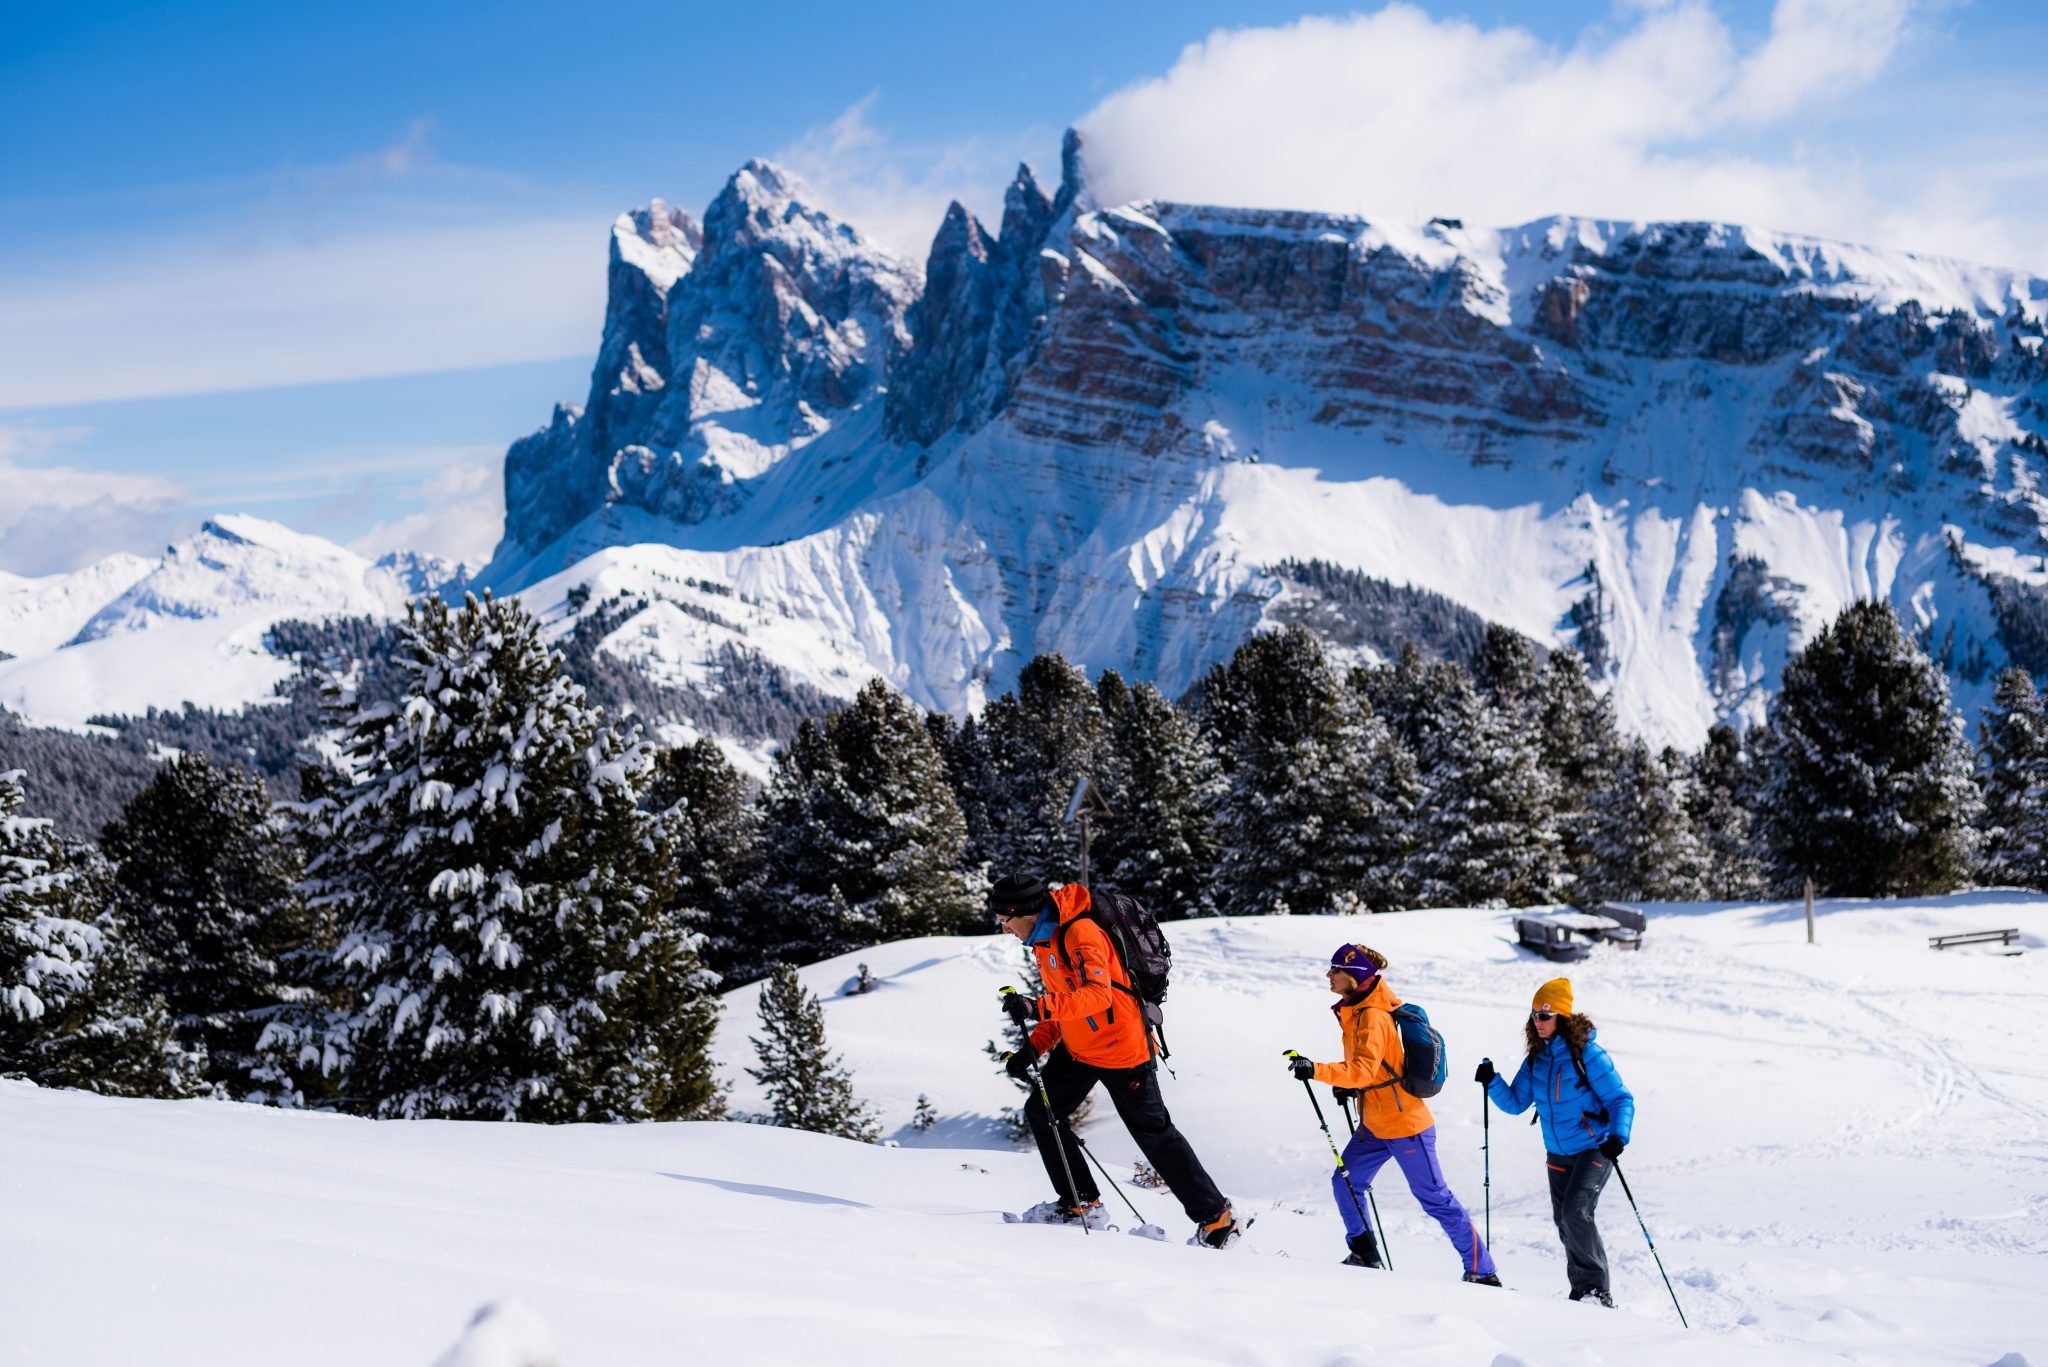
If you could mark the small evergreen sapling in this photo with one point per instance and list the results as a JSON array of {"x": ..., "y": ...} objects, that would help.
[
  {"x": 924, "y": 1117},
  {"x": 808, "y": 1088}
]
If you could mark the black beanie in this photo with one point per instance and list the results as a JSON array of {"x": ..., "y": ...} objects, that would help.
[{"x": 1018, "y": 894}]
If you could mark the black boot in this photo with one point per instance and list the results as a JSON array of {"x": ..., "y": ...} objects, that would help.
[{"x": 1364, "y": 1252}]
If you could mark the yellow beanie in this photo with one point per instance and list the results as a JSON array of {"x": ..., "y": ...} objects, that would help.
[{"x": 1555, "y": 995}]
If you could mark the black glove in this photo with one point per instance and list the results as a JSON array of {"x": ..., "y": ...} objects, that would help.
[
  {"x": 1485, "y": 1074},
  {"x": 1610, "y": 1148},
  {"x": 1018, "y": 1064},
  {"x": 1019, "y": 1008},
  {"x": 1304, "y": 1069},
  {"x": 1348, "y": 1093}
]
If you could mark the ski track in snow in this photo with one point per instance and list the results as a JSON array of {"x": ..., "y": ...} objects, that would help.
[{"x": 1840, "y": 1149}]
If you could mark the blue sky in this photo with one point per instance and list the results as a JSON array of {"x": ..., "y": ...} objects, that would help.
[{"x": 322, "y": 262}]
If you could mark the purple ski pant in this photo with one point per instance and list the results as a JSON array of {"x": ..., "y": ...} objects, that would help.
[{"x": 1367, "y": 1153}]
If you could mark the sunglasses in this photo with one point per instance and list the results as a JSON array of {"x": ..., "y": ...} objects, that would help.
[{"x": 1543, "y": 1015}]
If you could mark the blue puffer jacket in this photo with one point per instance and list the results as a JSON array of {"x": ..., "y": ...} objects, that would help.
[{"x": 1571, "y": 1123}]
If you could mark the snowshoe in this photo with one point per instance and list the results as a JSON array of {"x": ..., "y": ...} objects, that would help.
[
  {"x": 1221, "y": 1232},
  {"x": 1598, "y": 1295},
  {"x": 1089, "y": 1213},
  {"x": 1364, "y": 1253},
  {"x": 1482, "y": 1279}
]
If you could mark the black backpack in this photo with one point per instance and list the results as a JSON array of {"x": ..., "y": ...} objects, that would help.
[{"x": 1140, "y": 946}]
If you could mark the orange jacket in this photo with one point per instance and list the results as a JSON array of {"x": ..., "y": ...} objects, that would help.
[
  {"x": 1101, "y": 1023},
  {"x": 1372, "y": 1058}
]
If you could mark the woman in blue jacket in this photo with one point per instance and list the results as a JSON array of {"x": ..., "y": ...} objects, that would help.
[{"x": 1587, "y": 1115}]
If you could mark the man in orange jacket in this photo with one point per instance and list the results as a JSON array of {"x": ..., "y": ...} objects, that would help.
[
  {"x": 1089, "y": 1027},
  {"x": 1393, "y": 1123}
]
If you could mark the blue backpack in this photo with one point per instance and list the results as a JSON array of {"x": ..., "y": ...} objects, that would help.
[{"x": 1425, "y": 1062}]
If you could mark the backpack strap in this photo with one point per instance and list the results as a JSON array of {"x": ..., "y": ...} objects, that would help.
[
  {"x": 1116, "y": 950},
  {"x": 1586, "y": 1082}
]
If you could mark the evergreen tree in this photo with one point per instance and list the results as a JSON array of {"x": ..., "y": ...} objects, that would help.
[
  {"x": 1866, "y": 778},
  {"x": 1644, "y": 845},
  {"x": 500, "y": 897},
  {"x": 1040, "y": 740},
  {"x": 964, "y": 757},
  {"x": 715, "y": 829},
  {"x": 1717, "y": 801},
  {"x": 2014, "y": 766},
  {"x": 1504, "y": 669},
  {"x": 207, "y": 879},
  {"x": 1580, "y": 746},
  {"x": 1163, "y": 785},
  {"x": 1487, "y": 830},
  {"x": 808, "y": 1089},
  {"x": 72, "y": 1009},
  {"x": 861, "y": 839},
  {"x": 1316, "y": 808}
]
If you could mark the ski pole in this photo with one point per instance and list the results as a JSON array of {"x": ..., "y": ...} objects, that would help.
[
  {"x": 1045, "y": 1098},
  {"x": 1651, "y": 1242},
  {"x": 1105, "y": 1175},
  {"x": 1386, "y": 1244},
  {"x": 1486, "y": 1157},
  {"x": 1336, "y": 1153}
]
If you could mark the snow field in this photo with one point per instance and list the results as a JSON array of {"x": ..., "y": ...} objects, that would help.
[{"x": 1840, "y": 1149}]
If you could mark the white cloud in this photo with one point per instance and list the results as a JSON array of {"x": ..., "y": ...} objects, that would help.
[
  {"x": 293, "y": 310},
  {"x": 1399, "y": 115},
  {"x": 898, "y": 195},
  {"x": 54, "y": 518},
  {"x": 465, "y": 512}
]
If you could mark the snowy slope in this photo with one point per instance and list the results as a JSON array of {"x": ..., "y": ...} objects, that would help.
[
  {"x": 191, "y": 627},
  {"x": 1839, "y": 1148},
  {"x": 41, "y": 614}
]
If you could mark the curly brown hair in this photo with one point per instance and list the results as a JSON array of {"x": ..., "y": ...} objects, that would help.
[{"x": 1575, "y": 1029}]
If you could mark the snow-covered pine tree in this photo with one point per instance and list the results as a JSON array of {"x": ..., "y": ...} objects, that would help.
[
  {"x": 1505, "y": 670},
  {"x": 501, "y": 897},
  {"x": 1318, "y": 798},
  {"x": 963, "y": 752},
  {"x": 206, "y": 878},
  {"x": 1486, "y": 825},
  {"x": 1040, "y": 739},
  {"x": 1717, "y": 800},
  {"x": 1163, "y": 785},
  {"x": 1644, "y": 844},
  {"x": 860, "y": 839},
  {"x": 2013, "y": 759},
  {"x": 715, "y": 829},
  {"x": 72, "y": 1009},
  {"x": 808, "y": 1087},
  {"x": 1580, "y": 746},
  {"x": 1866, "y": 778}
]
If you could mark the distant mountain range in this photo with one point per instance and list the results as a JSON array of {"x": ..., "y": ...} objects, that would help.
[{"x": 1121, "y": 432}]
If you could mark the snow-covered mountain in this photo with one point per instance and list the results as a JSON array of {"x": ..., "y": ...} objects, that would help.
[
  {"x": 41, "y": 614},
  {"x": 189, "y": 627},
  {"x": 1836, "y": 1162},
  {"x": 1096, "y": 429}
]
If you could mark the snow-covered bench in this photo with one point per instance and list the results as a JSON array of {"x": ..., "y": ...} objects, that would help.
[{"x": 1974, "y": 937}]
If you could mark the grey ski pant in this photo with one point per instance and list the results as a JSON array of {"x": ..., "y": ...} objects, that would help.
[{"x": 1576, "y": 1181}]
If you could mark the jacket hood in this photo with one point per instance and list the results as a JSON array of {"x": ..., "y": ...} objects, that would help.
[{"x": 1379, "y": 997}]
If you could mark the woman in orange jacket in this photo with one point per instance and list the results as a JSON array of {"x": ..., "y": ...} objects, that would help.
[{"x": 1393, "y": 1122}]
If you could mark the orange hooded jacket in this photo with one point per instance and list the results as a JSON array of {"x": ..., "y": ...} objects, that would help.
[
  {"x": 1085, "y": 1004},
  {"x": 1372, "y": 1058}
]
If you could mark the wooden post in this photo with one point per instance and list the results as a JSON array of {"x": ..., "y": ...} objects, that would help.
[{"x": 1809, "y": 911}]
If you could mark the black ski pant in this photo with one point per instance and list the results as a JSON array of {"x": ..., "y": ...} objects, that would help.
[
  {"x": 1575, "y": 1185},
  {"x": 1135, "y": 1094}
]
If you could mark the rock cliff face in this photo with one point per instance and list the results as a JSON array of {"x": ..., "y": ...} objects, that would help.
[{"x": 1094, "y": 428}]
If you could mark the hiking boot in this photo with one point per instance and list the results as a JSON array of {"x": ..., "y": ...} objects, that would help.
[
  {"x": 1597, "y": 1294},
  {"x": 1088, "y": 1213},
  {"x": 1364, "y": 1252},
  {"x": 1218, "y": 1231},
  {"x": 1482, "y": 1279}
]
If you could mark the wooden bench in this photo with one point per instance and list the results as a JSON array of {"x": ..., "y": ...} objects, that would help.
[
  {"x": 1974, "y": 937},
  {"x": 1551, "y": 940}
]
